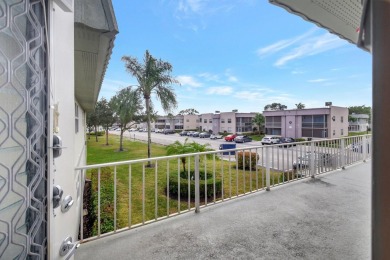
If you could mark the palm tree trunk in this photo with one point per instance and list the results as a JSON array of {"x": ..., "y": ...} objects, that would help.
[
  {"x": 183, "y": 160},
  {"x": 147, "y": 104}
]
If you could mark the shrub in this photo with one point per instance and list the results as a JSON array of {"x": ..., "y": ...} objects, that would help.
[
  {"x": 300, "y": 140},
  {"x": 248, "y": 159},
  {"x": 174, "y": 185},
  {"x": 99, "y": 133}
]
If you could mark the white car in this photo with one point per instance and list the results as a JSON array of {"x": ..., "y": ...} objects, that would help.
[{"x": 270, "y": 140}]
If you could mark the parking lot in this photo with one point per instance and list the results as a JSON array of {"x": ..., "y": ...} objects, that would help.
[
  {"x": 280, "y": 158},
  {"x": 168, "y": 139}
]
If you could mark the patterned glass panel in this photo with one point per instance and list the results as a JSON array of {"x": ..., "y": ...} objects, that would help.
[{"x": 23, "y": 130}]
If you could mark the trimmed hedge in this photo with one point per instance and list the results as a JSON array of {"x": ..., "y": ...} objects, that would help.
[
  {"x": 174, "y": 185},
  {"x": 250, "y": 160}
]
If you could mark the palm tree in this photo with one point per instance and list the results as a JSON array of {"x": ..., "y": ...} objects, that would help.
[
  {"x": 258, "y": 120},
  {"x": 300, "y": 105},
  {"x": 154, "y": 77},
  {"x": 184, "y": 148}
]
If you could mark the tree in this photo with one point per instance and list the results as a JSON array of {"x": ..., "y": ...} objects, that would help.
[
  {"x": 126, "y": 105},
  {"x": 93, "y": 122},
  {"x": 258, "y": 120},
  {"x": 184, "y": 148},
  {"x": 189, "y": 111},
  {"x": 105, "y": 114},
  {"x": 360, "y": 110},
  {"x": 300, "y": 105},
  {"x": 154, "y": 77},
  {"x": 275, "y": 106}
]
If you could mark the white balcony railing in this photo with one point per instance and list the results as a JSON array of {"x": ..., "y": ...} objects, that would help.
[{"x": 132, "y": 193}]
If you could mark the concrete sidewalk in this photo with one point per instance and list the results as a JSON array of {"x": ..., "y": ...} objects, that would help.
[{"x": 324, "y": 218}]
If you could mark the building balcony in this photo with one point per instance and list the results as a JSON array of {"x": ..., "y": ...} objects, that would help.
[{"x": 313, "y": 210}]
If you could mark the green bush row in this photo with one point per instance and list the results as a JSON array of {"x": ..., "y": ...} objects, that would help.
[{"x": 99, "y": 133}]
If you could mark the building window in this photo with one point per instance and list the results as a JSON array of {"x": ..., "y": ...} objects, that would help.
[
  {"x": 222, "y": 121},
  {"x": 210, "y": 121},
  {"x": 205, "y": 121},
  {"x": 229, "y": 120},
  {"x": 342, "y": 132},
  {"x": 334, "y": 132},
  {"x": 314, "y": 126},
  {"x": 187, "y": 120},
  {"x": 76, "y": 115},
  {"x": 342, "y": 119},
  {"x": 229, "y": 129}
]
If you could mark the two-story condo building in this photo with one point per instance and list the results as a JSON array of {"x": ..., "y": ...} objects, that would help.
[{"x": 329, "y": 122}]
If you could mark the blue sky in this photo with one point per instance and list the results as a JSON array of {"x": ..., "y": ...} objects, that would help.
[{"x": 241, "y": 54}]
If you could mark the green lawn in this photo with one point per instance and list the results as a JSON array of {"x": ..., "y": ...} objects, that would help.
[{"x": 138, "y": 175}]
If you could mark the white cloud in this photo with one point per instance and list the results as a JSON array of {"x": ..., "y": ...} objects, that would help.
[
  {"x": 230, "y": 76},
  {"x": 188, "y": 81},
  {"x": 209, "y": 77},
  {"x": 222, "y": 90},
  {"x": 280, "y": 45},
  {"x": 297, "y": 71},
  {"x": 317, "y": 80},
  {"x": 311, "y": 46},
  {"x": 232, "y": 79},
  {"x": 249, "y": 95}
]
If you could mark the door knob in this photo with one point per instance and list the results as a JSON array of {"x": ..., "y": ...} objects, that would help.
[
  {"x": 66, "y": 203},
  {"x": 68, "y": 248},
  {"x": 57, "y": 195}
]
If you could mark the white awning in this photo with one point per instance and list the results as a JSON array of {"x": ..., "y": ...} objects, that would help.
[{"x": 349, "y": 19}]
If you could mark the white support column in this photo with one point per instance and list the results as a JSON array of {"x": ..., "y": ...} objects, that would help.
[{"x": 381, "y": 129}]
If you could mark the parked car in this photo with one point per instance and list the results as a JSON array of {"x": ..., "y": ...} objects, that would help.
[
  {"x": 169, "y": 131},
  {"x": 286, "y": 141},
  {"x": 320, "y": 159},
  {"x": 216, "y": 137},
  {"x": 195, "y": 134},
  {"x": 183, "y": 133},
  {"x": 204, "y": 135},
  {"x": 270, "y": 140},
  {"x": 358, "y": 147},
  {"x": 230, "y": 138},
  {"x": 190, "y": 133},
  {"x": 242, "y": 139}
]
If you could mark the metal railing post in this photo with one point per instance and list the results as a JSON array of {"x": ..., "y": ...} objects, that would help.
[
  {"x": 197, "y": 208},
  {"x": 364, "y": 148},
  {"x": 312, "y": 160},
  {"x": 267, "y": 167},
  {"x": 342, "y": 153}
]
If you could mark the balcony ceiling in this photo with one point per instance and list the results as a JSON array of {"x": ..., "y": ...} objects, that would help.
[
  {"x": 347, "y": 18},
  {"x": 95, "y": 30}
]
